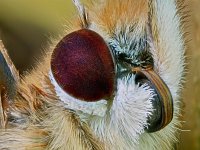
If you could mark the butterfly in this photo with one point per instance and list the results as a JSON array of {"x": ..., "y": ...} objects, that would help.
[{"x": 112, "y": 80}]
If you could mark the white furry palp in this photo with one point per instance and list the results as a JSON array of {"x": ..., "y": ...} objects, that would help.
[
  {"x": 123, "y": 124},
  {"x": 168, "y": 54}
]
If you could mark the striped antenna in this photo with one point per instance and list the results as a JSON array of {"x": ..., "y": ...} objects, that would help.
[{"x": 82, "y": 13}]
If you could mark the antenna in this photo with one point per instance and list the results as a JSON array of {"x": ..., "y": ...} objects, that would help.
[{"x": 82, "y": 13}]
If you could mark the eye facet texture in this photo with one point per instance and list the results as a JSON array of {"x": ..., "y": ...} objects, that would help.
[{"x": 83, "y": 66}]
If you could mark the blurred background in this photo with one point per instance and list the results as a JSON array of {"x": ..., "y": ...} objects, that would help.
[{"x": 27, "y": 25}]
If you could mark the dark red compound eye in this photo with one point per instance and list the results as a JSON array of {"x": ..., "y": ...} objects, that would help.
[{"x": 83, "y": 66}]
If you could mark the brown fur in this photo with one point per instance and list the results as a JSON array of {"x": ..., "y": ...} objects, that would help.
[
  {"x": 40, "y": 127},
  {"x": 110, "y": 14}
]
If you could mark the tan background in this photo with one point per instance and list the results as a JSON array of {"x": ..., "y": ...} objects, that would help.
[
  {"x": 26, "y": 25},
  {"x": 190, "y": 140}
]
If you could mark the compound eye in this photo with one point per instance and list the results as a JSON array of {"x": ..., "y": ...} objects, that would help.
[{"x": 83, "y": 66}]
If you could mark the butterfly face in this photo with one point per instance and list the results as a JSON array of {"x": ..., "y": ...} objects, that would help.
[
  {"x": 111, "y": 82},
  {"x": 83, "y": 66},
  {"x": 112, "y": 72}
]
